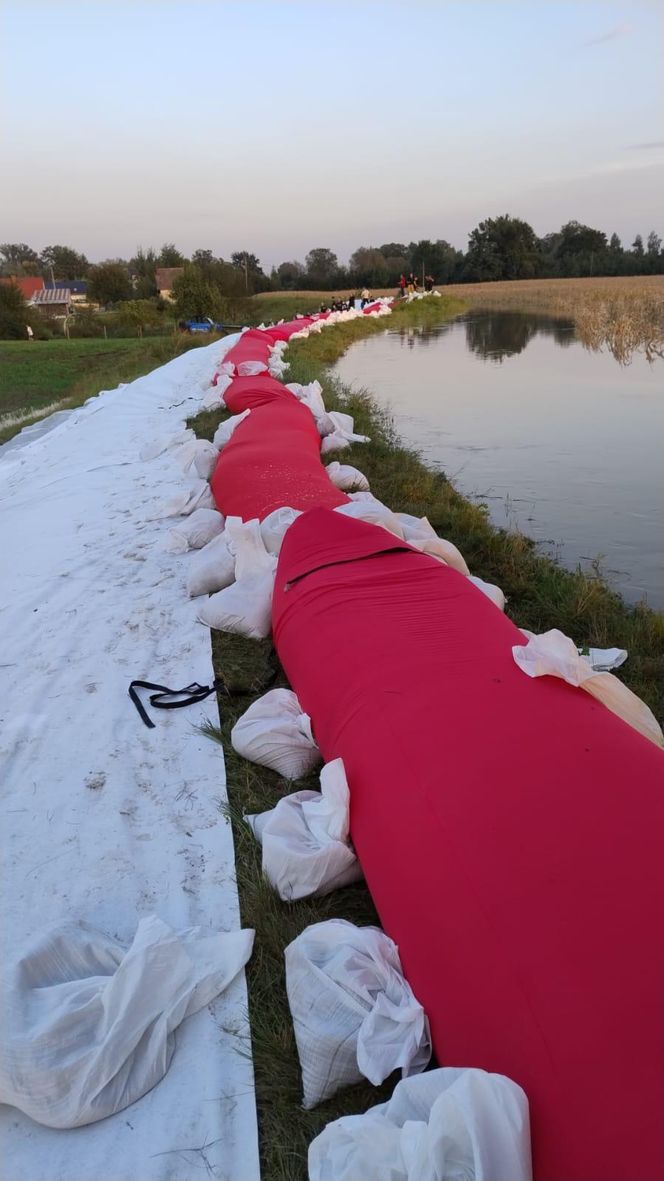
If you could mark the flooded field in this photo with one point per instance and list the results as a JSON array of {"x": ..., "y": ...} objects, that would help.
[{"x": 564, "y": 444}]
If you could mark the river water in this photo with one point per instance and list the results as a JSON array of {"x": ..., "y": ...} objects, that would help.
[{"x": 564, "y": 444}]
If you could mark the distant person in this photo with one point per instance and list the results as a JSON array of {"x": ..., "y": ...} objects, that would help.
[
  {"x": 411, "y": 284},
  {"x": 29, "y": 331},
  {"x": 324, "y": 307},
  {"x": 416, "y": 284},
  {"x": 428, "y": 283},
  {"x": 365, "y": 296},
  {"x": 402, "y": 286}
]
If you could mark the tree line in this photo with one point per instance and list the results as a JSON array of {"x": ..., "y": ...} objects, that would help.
[{"x": 502, "y": 247}]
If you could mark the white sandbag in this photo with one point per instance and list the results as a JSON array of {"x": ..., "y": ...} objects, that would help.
[
  {"x": 88, "y": 1024},
  {"x": 244, "y": 608},
  {"x": 449, "y": 1124},
  {"x": 245, "y": 542},
  {"x": 346, "y": 477},
  {"x": 445, "y": 551},
  {"x": 277, "y": 368},
  {"x": 373, "y": 512},
  {"x": 225, "y": 430},
  {"x": 554, "y": 654},
  {"x": 197, "y": 495},
  {"x": 311, "y": 395},
  {"x": 306, "y": 848},
  {"x": 275, "y": 733},
  {"x": 226, "y": 369},
  {"x": 334, "y": 442},
  {"x": 274, "y": 526},
  {"x": 489, "y": 589},
  {"x": 416, "y": 528},
  {"x": 165, "y": 443},
  {"x": 199, "y": 454},
  {"x": 353, "y": 1013},
  {"x": 214, "y": 394},
  {"x": 251, "y": 368},
  {"x": 211, "y": 569},
  {"x": 196, "y": 531}
]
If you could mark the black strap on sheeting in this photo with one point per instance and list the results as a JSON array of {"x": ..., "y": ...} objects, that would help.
[{"x": 165, "y": 698}]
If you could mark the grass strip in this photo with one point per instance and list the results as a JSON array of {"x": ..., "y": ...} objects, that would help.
[
  {"x": 540, "y": 595},
  {"x": 39, "y": 378}
]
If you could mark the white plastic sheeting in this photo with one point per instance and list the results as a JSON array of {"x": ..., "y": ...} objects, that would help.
[
  {"x": 446, "y": 1125},
  {"x": 274, "y": 732},
  {"x": 553, "y": 654},
  {"x": 105, "y": 821},
  {"x": 89, "y": 1024},
  {"x": 353, "y": 1013},
  {"x": 197, "y": 494},
  {"x": 306, "y": 846}
]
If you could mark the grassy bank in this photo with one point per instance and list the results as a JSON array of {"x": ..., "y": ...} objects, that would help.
[
  {"x": 541, "y": 595},
  {"x": 39, "y": 378}
]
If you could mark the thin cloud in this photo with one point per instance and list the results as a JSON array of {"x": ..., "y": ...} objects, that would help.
[
  {"x": 612, "y": 35},
  {"x": 649, "y": 147}
]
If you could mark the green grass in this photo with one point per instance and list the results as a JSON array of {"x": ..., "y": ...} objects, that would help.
[
  {"x": 39, "y": 377},
  {"x": 540, "y": 594}
]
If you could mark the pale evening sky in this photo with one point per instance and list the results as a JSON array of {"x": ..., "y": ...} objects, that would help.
[{"x": 279, "y": 125}]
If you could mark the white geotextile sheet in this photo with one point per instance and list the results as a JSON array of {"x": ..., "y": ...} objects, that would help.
[{"x": 104, "y": 820}]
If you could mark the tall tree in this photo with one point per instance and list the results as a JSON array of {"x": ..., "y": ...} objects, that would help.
[
  {"x": 289, "y": 275},
  {"x": 637, "y": 247},
  {"x": 169, "y": 256},
  {"x": 14, "y": 256},
  {"x": 109, "y": 282},
  {"x": 64, "y": 262},
  {"x": 367, "y": 265},
  {"x": 14, "y": 313},
  {"x": 322, "y": 267},
  {"x": 194, "y": 297},
  {"x": 502, "y": 248}
]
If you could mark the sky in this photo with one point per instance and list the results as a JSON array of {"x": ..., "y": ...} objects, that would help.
[{"x": 277, "y": 126}]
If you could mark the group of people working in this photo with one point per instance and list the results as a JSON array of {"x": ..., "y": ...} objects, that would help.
[{"x": 411, "y": 285}]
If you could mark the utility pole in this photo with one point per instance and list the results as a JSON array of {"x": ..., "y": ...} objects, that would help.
[{"x": 246, "y": 273}]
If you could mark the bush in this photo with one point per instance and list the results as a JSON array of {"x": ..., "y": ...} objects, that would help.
[{"x": 14, "y": 315}]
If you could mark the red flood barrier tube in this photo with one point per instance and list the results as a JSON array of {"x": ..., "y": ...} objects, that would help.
[
  {"x": 247, "y": 393},
  {"x": 510, "y": 831},
  {"x": 285, "y": 331},
  {"x": 272, "y": 460},
  {"x": 253, "y": 345}
]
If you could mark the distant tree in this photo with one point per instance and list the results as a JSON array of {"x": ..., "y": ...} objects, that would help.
[
  {"x": 322, "y": 267},
  {"x": 169, "y": 256},
  {"x": 394, "y": 250},
  {"x": 14, "y": 256},
  {"x": 502, "y": 248},
  {"x": 615, "y": 256},
  {"x": 290, "y": 275},
  {"x": 395, "y": 265},
  {"x": 367, "y": 266},
  {"x": 64, "y": 262},
  {"x": 142, "y": 268},
  {"x": 14, "y": 316},
  {"x": 439, "y": 259},
  {"x": 138, "y": 314},
  {"x": 637, "y": 247},
  {"x": 194, "y": 297},
  {"x": 203, "y": 258},
  {"x": 581, "y": 250},
  {"x": 249, "y": 264},
  {"x": 109, "y": 282}
]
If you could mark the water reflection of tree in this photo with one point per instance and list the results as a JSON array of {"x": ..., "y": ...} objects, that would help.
[{"x": 496, "y": 335}]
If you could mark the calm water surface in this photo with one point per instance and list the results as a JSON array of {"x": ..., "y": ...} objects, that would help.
[{"x": 566, "y": 445}]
